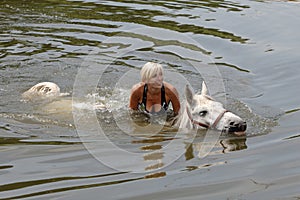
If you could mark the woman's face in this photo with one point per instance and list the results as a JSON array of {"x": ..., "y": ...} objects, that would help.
[{"x": 156, "y": 80}]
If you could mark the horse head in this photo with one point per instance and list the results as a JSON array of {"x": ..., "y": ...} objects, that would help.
[
  {"x": 43, "y": 90},
  {"x": 203, "y": 111}
]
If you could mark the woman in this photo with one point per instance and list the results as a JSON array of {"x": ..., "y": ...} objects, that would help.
[{"x": 152, "y": 95}]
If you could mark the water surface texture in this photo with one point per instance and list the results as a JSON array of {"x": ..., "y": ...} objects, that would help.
[{"x": 93, "y": 49}]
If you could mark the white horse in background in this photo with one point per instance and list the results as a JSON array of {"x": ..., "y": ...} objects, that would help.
[
  {"x": 50, "y": 93},
  {"x": 43, "y": 90},
  {"x": 203, "y": 112}
]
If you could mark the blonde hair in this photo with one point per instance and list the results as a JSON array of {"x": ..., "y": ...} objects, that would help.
[{"x": 149, "y": 70}]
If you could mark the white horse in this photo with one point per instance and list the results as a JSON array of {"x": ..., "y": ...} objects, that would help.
[
  {"x": 43, "y": 90},
  {"x": 50, "y": 92},
  {"x": 203, "y": 112}
]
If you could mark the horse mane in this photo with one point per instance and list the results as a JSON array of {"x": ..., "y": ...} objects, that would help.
[{"x": 182, "y": 120}]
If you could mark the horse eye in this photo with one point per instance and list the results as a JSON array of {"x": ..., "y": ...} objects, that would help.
[{"x": 203, "y": 113}]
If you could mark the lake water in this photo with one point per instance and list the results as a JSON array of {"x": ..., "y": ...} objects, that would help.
[{"x": 246, "y": 51}]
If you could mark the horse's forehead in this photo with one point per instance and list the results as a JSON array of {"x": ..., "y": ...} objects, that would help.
[
  {"x": 203, "y": 99},
  {"x": 206, "y": 101}
]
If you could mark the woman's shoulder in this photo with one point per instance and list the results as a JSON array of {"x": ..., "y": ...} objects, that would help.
[
  {"x": 138, "y": 87},
  {"x": 169, "y": 87}
]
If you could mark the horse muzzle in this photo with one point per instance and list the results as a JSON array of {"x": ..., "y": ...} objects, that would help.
[{"x": 237, "y": 128}]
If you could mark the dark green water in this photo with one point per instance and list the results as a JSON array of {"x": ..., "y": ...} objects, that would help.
[{"x": 94, "y": 50}]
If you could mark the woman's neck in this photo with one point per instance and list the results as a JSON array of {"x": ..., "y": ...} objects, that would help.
[{"x": 153, "y": 90}]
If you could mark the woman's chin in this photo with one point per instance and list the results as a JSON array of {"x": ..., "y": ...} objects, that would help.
[{"x": 156, "y": 86}]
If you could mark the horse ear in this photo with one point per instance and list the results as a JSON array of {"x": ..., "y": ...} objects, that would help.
[
  {"x": 204, "y": 90},
  {"x": 189, "y": 94}
]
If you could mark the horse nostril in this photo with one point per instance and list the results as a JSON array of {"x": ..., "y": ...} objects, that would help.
[
  {"x": 237, "y": 126},
  {"x": 242, "y": 126}
]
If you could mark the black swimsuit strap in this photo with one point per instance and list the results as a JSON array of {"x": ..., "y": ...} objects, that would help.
[
  {"x": 164, "y": 103},
  {"x": 144, "y": 100}
]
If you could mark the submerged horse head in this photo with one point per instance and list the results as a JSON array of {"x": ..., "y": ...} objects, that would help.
[
  {"x": 43, "y": 90},
  {"x": 202, "y": 111}
]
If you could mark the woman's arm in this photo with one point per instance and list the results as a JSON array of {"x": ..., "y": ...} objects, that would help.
[
  {"x": 135, "y": 96},
  {"x": 174, "y": 97}
]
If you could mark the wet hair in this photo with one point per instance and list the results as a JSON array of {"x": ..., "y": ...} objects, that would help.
[{"x": 149, "y": 70}]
